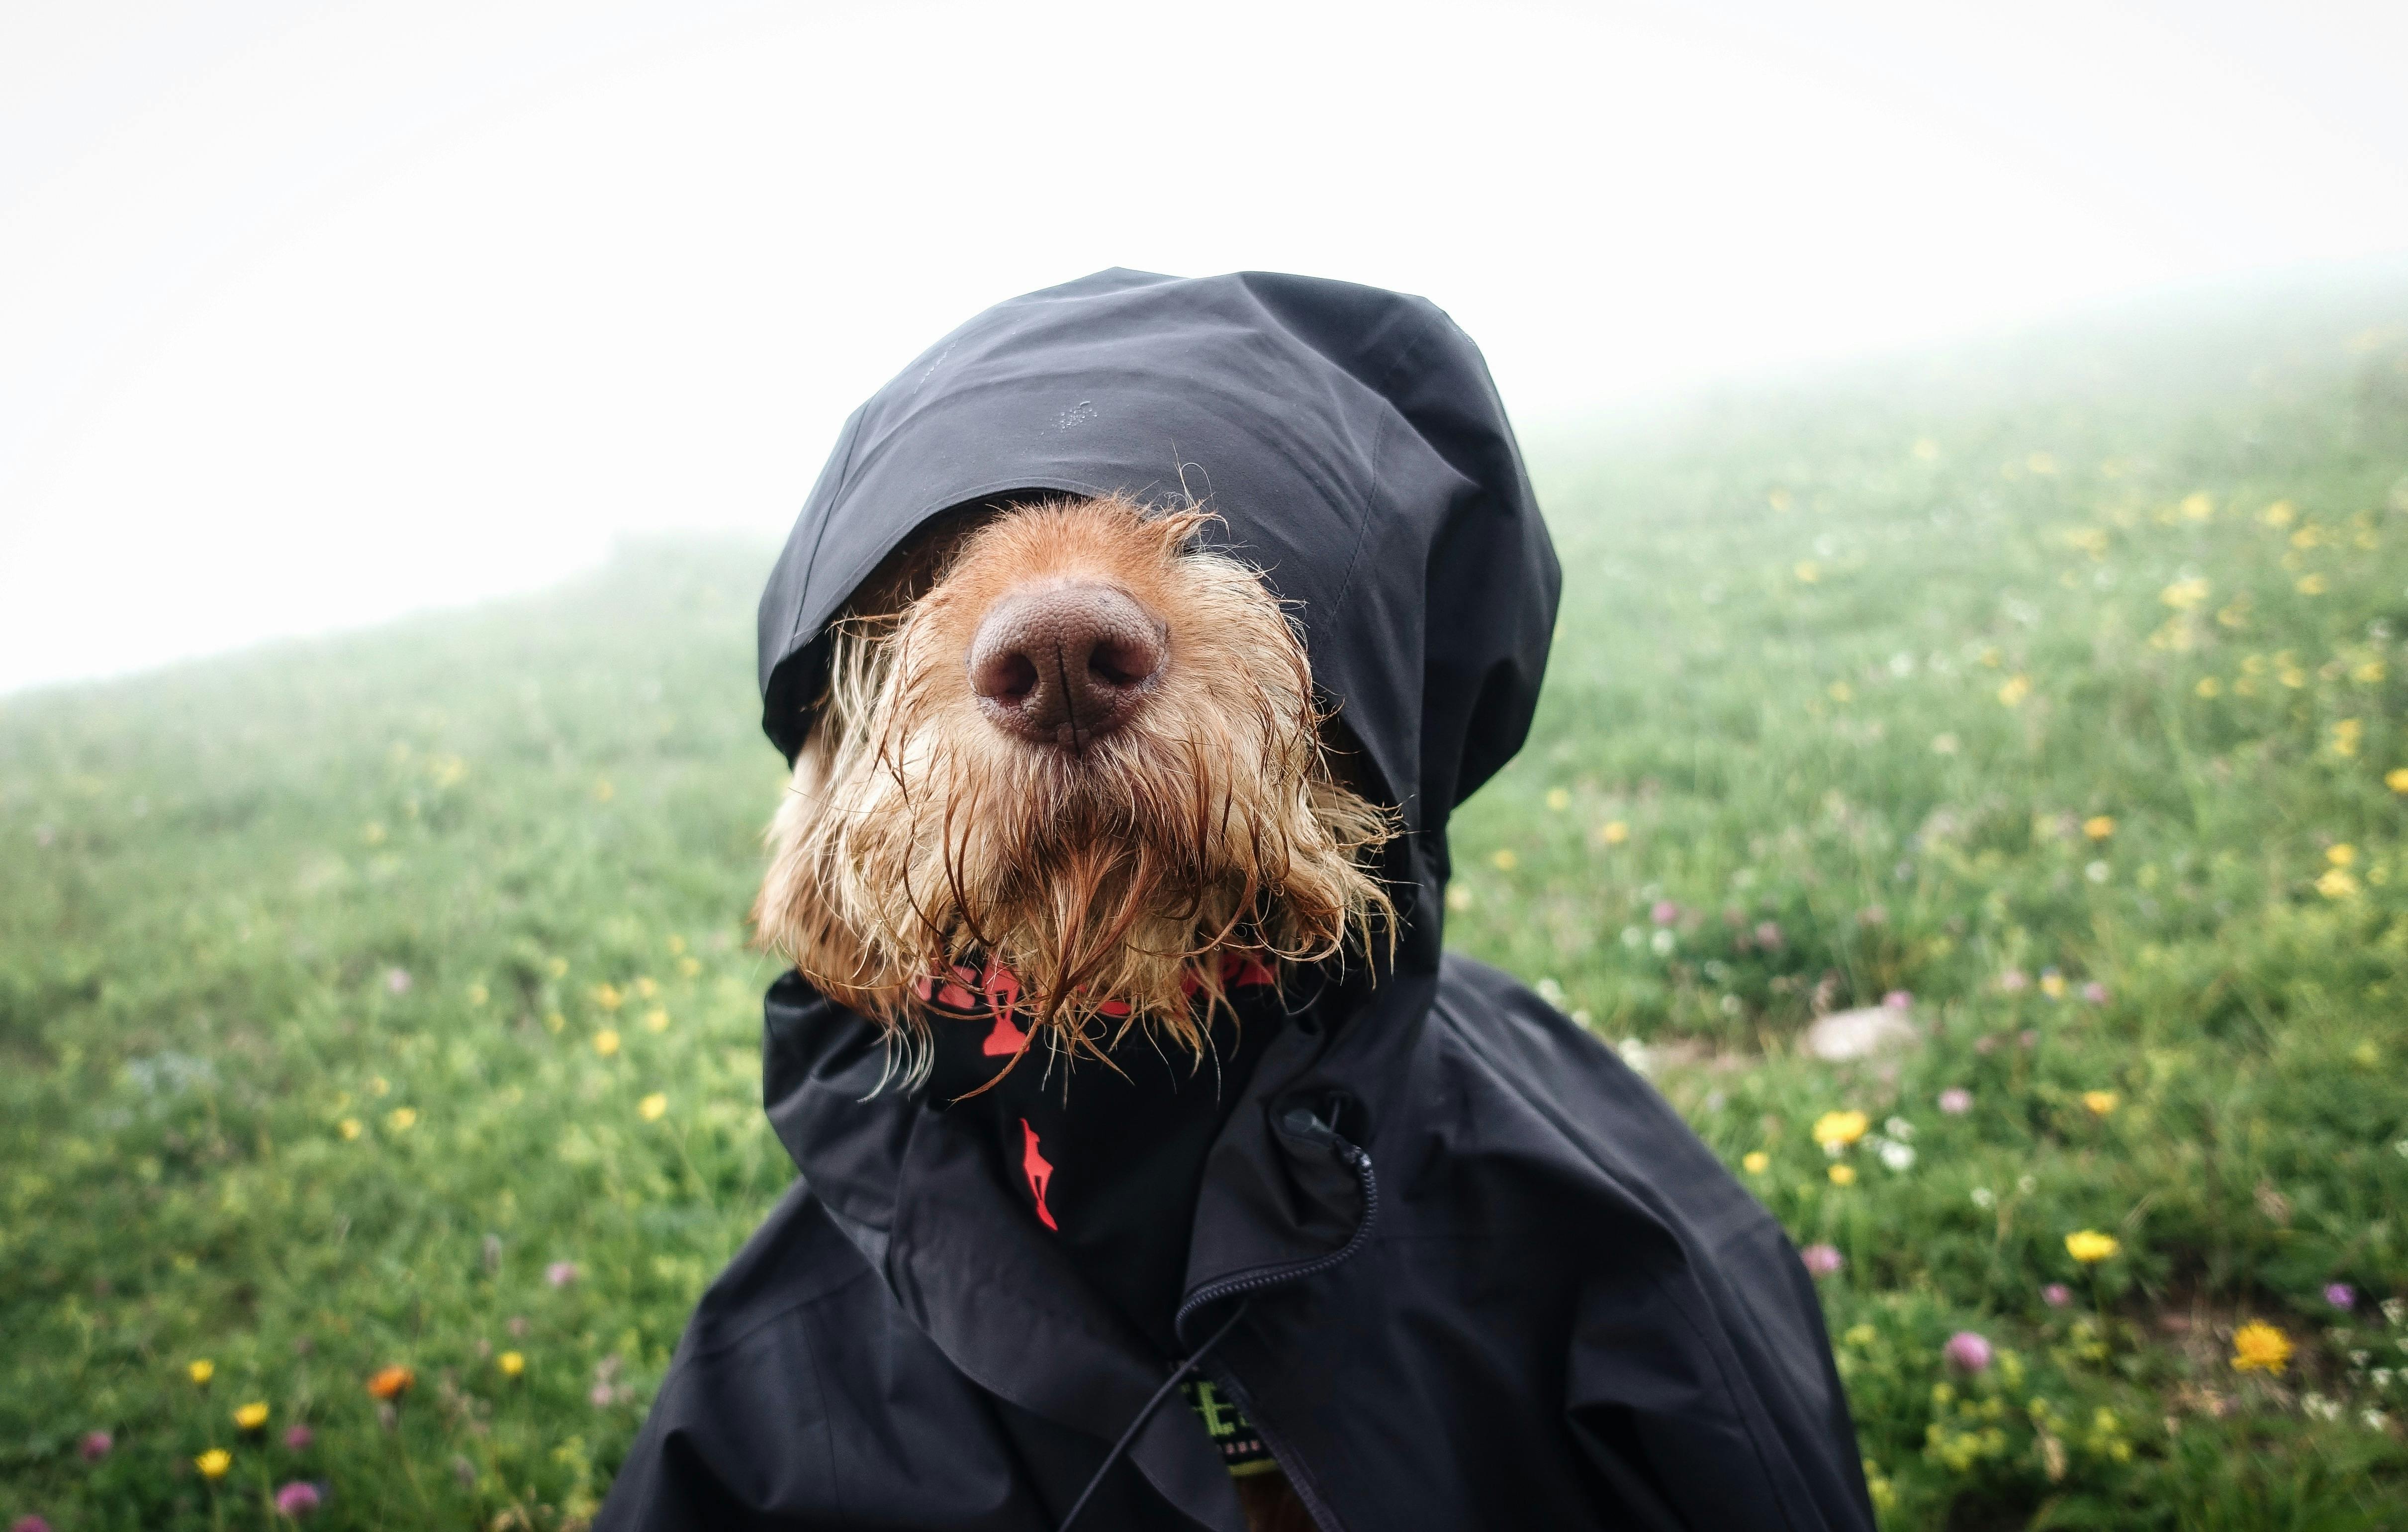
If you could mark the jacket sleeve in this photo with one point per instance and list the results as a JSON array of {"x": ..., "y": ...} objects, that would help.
[{"x": 1703, "y": 1396}]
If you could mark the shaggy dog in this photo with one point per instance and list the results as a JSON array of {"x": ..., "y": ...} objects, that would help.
[{"x": 1069, "y": 751}]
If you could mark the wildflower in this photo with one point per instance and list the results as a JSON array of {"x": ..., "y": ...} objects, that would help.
[
  {"x": 1459, "y": 898},
  {"x": 2052, "y": 983},
  {"x": 2098, "y": 826},
  {"x": 1943, "y": 744},
  {"x": 607, "y": 996},
  {"x": 96, "y": 1445},
  {"x": 2210, "y": 687},
  {"x": 1967, "y": 1351},
  {"x": 1900, "y": 1000},
  {"x": 1841, "y": 691},
  {"x": 214, "y": 1463},
  {"x": 1898, "y": 1156},
  {"x": 650, "y": 1107},
  {"x": 2314, "y": 585},
  {"x": 560, "y": 1273},
  {"x": 2343, "y": 855},
  {"x": 1664, "y": 912},
  {"x": 1836, "y": 1130},
  {"x": 2185, "y": 594},
  {"x": 29, "y": 1522},
  {"x": 2090, "y": 1247},
  {"x": 2057, "y": 1294},
  {"x": 2368, "y": 673},
  {"x": 1663, "y": 943},
  {"x": 2336, "y": 884},
  {"x": 2011, "y": 694},
  {"x": 1807, "y": 571},
  {"x": 298, "y": 1437},
  {"x": 2258, "y": 1346},
  {"x": 656, "y": 1020},
  {"x": 1956, "y": 1101},
  {"x": 1613, "y": 832},
  {"x": 2281, "y": 513},
  {"x": 2347, "y": 736},
  {"x": 2013, "y": 980},
  {"x": 401, "y": 1119},
  {"x": 689, "y": 967},
  {"x": 606, "y": 1042},
  {"x": 1767, "y": 935},
  {"x": 390, "y": 1383},
  {"x": 1843, "y": 1175},
  {"x": 478, "y": 995},
  {"x": 2094, "y": 992},
  {"x": 1821, "y": 1260},
  {"x": 2397, "y": 779},
  {"x": 1503, "y": 859},
  {"x": 397, "y": 980},
  {"x": 2374, "y": 1420},
  {"x": 1984, "y": 1199},
  {"x": 2100, "y": 1102},
  {"x": 201, "y": 1372},
  {"x": 1755, "y": 1162},
  {"x": 251, "y": 1417},
  {"x": 512, "y": 1363},
  {"x": 2341, "y": 1295},
  {"x": 1898, "y": 1128},
  {"x": 298, "y": 1500}
]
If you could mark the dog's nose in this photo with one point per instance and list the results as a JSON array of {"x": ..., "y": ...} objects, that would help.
[{"x": 1066, "y": 663}]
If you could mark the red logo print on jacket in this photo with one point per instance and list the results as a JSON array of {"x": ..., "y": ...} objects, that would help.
[{"x": 1039, "y": 1171}]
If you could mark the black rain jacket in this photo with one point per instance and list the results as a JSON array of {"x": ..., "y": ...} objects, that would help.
[{"x": 1466, "y": 1270}]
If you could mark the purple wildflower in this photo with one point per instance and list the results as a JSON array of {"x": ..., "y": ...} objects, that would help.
[
  {"x": 1665, "y": 912},
  {"x": 29, "y": 1523},
  {"x": 2013, "y": 979},
  {"x": 298, "y": 1436},
  {"x": 1900, "y": 999},
  {"x": 298, "y": 1500},
  {"x": 2030, "y": 1040},
  {"x": 1956, "y": 1101},
  {"x": 1967, "y": 1351},
  {"x": 2095, "y": 992},
  {"x": 96, "y": 1445},
  {"x": 1767, "y": 935},
  {"x": 1821, "y": 1260},
  {"x": 560, "y": 1273},
  {"x": 2057, "y": 1294},
  {"x": 2341, "y": 1296}
]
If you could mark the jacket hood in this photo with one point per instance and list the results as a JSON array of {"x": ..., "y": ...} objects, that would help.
[{"x": 1348, "y": 439}]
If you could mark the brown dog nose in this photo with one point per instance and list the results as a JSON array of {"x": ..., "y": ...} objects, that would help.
[{"x": 1065, "y": 664}]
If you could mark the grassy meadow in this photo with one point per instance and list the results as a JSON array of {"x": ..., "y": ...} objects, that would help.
[{"x": 383, "y": 1003}]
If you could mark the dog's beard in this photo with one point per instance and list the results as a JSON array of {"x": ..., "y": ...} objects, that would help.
[{"x": 1115, "y": 885}]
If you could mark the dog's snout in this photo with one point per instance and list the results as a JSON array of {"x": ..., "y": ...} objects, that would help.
[{"x": 1067, "y": 662}]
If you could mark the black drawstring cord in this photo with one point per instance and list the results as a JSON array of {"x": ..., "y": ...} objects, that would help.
[{"x": 1194, "y": 1359}]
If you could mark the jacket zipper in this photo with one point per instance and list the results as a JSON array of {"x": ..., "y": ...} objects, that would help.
[{"x": 1359, "y": 1162}]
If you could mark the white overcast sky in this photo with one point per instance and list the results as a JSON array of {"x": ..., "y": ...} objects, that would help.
[{"x": 313, "y": 313}]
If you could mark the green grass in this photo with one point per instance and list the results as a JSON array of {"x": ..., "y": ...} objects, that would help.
[{"x": 306, "y": 956}]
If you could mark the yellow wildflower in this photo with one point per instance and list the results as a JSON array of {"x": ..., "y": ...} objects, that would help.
[
  {"x": 1836, "y": 1130},
  {"x": 607, "y": 996},
  {"x": 1559, "y": 798},
  {"x": 201, "y": 1372},
  {"x": 2368, "y": 673},
  {"x": 2090, "y": 1247},
  {"x": 2397, "y": 779},
  {"x": 2052, "y": 984},
  {"x": 2013, "y": 694},
  {"x": 2336, "y": 884},
  {"x": 1459, "y": 898},
  {"x": 373, "y": 833},
  {"x": 512, "y": 1363},
  {"x": 1843, "y": 1175},
  {"x": 2346, "y": 735},
  {"x": 606, "y": 1042},
  {"x": 478, "y": 995},
  {"x": 556, "y": 966},
  {"x": 1807, "y": 571},
  {"x": 645, "y": 988},
  {"x": 1755, "y": 1162},
  {"x": 251, "y": 1417},
  {"x": 2313, "y": 585},
  {"x": 688, "y": 967},
  {"x": 348, "y": 1127},
  {"x": 2100, "y": 1102},
  {"x": 650, "y": 1107},
  {"x": 214, "y": 1463},
  {"x": 1843, "y": 692},
  {"x": 401, "y": 1119},
  {"x": 2343, "y": 855},
  {"x": 656, "y": 1020},
  {"x": 2098, "y": 826},
  {"x": 1613, "y": 832},
  {"x": 2185, "y": 595},
  {"x": 2209, "y": 686},
  {"x": 2260, "y": 1347},
  {"x": 2280, "y": 514},
  {"x": 2197, "y": 508}
]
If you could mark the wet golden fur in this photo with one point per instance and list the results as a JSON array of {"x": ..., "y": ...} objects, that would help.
[{"x": 1113, "y": 882}]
